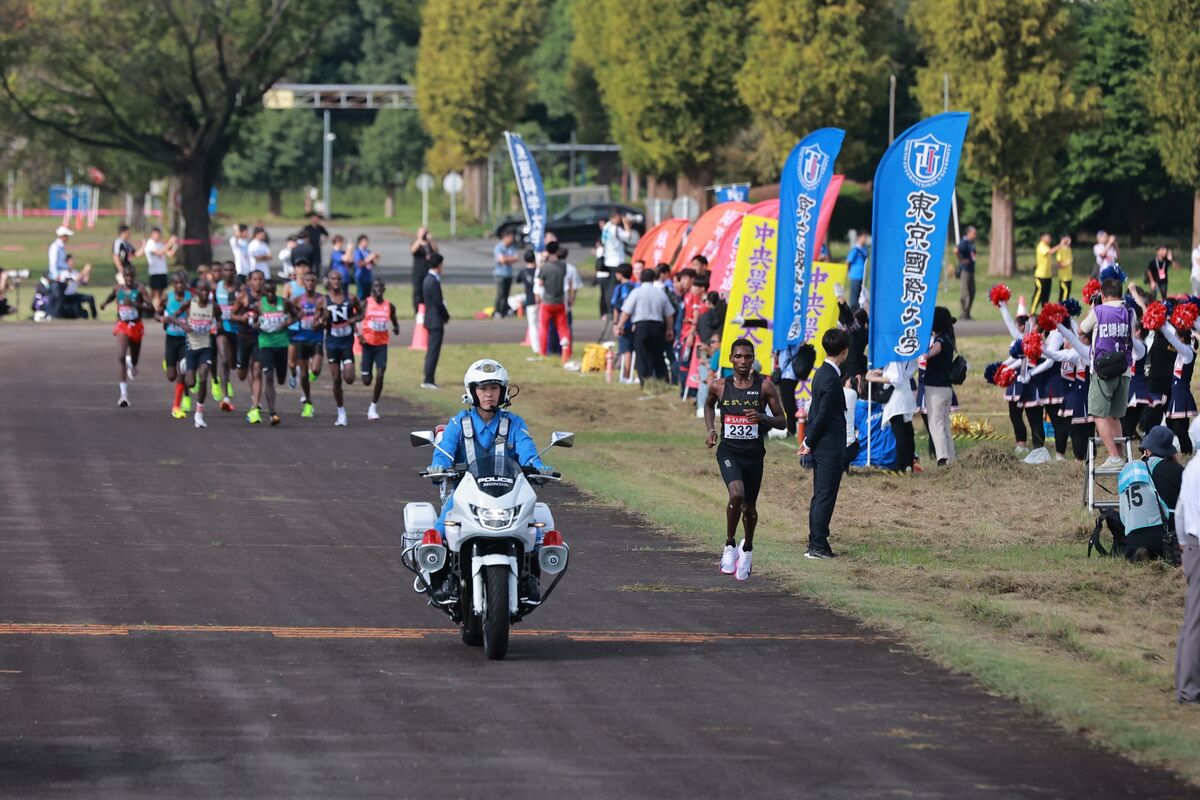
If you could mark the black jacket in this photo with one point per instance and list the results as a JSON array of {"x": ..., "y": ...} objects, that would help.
[
  {"x": 436, "y": 315},
  {"x": 825, "y": 431}
]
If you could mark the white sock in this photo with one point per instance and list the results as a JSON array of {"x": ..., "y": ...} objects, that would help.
[{"x": 124, "y": 389}]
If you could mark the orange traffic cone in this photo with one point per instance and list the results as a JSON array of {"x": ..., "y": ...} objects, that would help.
[{"x": 420, "y": 339}]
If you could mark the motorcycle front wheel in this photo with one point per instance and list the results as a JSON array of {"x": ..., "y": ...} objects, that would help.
[{"x": 495, "y": 611}]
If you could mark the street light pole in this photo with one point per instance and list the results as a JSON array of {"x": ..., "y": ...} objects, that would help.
[{"x": 327, "y": 166}]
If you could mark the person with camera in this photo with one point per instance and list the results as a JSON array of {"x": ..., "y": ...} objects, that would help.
[
  {"x": 1110, "y": 324},
  {"x": 422, "y": 249}
]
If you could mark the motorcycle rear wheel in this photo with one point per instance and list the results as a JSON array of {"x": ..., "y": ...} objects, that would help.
[{"x": 495, "y": 612}]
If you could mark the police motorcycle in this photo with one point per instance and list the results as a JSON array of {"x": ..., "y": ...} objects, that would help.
[{"x": 500, "y": 540}]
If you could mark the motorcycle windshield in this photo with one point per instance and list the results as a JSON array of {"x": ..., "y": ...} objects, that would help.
[{"x": 495, "y": 476}]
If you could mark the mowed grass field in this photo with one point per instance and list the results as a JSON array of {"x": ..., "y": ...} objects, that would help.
[{"x": 982, "y": 566}]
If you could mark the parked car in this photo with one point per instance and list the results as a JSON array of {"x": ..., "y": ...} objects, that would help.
[{"x": 577, "y": 225}]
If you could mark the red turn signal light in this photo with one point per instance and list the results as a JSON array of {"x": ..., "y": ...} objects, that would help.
[
  {"x": 432, "y": 537},
  {"x": 552, "y": 539}
]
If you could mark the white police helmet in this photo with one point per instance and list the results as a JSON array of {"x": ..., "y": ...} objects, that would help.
[{"x": 485, "y": 371}]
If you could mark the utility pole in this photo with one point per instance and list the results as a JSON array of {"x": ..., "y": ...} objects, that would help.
[{"x": 327, "y": 167}]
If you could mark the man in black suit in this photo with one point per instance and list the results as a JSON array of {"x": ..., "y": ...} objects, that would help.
[
  {"x": 436, "y": 317},
  {"x": 825, "y": 440}
]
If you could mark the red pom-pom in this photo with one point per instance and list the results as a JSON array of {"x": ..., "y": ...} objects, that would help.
[
  {"x": 1050, "y": 316},
  {"x": 999, "y": 294},
  {"x": 1032, "y": 344},
  {"x": 1155, "y": 316},
  {"x": 1005, "y": 377},
  {"x": 1091, "y": 291},
  {"x": 1184, "y": 316}
]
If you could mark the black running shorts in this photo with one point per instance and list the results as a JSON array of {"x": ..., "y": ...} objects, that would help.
[{"x": 747, "y": 469}]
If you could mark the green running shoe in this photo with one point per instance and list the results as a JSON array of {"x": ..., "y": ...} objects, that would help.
[
  {"x": 186, "y": 405},
  {"x": 306, "y": 411},
  {"x": 254, "y": 416}
]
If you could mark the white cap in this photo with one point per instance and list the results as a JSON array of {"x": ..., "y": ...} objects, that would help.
[{"x": 63, "y": 230}]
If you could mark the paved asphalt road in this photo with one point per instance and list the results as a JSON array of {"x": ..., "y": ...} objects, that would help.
[{"x": 222, "y": 613}]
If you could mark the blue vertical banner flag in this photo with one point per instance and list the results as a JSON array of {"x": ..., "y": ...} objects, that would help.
[
  {"x": 910, "y": 219},
  {"x": 805, "y": 178},
  {"x": 530, "y": 188}
]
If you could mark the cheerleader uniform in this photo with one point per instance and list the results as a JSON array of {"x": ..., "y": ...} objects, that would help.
[
  {"x": 1013, "y": 392},
  {"x": 1074, "y": 407},
  {"x": 1181, "y": 405},
  {"x": 1057, "y": 386},
  {"x": 1159, "y": 369}
]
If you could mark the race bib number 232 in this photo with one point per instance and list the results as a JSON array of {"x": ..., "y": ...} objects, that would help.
[{"x": 739, "y": 427}]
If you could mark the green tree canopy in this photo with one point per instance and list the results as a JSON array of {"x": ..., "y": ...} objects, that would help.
[
  {"x": 666, "y": 74},
  {"x": 472, "y": 75},
  {"x": 1010, "y": 65},
  {"x": 394, "y": 143},
  {"x": 811, "y": 64},
  {"x": 176, "y": 97},
  {"x": 1170, "y": 88},
  {"x": 277, "y": 150}
]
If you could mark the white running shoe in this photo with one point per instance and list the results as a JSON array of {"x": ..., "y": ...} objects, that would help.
[
  {"x": 745, "y": 563},
  {"x": 728, "y": 560},
  {"x": 1020, "y": 450},
  {"x": 341, "y": 419},
  {"x": 123, "y": 402},
  {"x": 372, "y": 412},
  {"x": 1113, "y": 462},
  {"x": 200, "y": 423},
  {"x": 292, "y": 379},
  {"x": 430, "y": 386}
]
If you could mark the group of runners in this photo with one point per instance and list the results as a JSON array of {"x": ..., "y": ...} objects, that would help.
[{"x": 265, "y": 332}]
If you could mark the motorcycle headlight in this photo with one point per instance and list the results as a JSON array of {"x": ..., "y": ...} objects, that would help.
[{"x": 496, "y": 519}]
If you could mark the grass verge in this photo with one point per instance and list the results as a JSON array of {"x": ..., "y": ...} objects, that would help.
[{"x": 982, "y": 567}]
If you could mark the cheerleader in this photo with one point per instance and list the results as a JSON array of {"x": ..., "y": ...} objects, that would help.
[
  {"x": 1181, "y": 405},
  {"x": 1025, "y": 395},
  {"x": 1074, "y": 410},
  {"x": 1062, "y": 374},
  {"x": 1012, "y": 392}
]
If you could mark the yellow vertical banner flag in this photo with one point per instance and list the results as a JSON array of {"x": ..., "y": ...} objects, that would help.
[
  {"x": 822, "y": 314},
  {"x": 752, "y": 292}
]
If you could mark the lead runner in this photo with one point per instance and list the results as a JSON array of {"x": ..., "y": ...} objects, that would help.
[{"x": 742, "y": 399}]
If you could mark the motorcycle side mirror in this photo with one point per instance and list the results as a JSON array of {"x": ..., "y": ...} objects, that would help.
[
  {"x": 562, "y": 439},
  {"x": 421, "y": 438}
]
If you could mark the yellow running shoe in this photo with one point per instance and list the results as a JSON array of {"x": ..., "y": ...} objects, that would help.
[
  {"x": 178, "y": 413},
  {"x": 186, "y": 405},
  {"x": 307, "y": 411},
  {"x": 216, "y": 391},
  {"x": 254, "y": 416}
]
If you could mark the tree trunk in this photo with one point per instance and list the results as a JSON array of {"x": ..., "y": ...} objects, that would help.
[
  {"x": 474, "y": 196},
  {"x": 1001, "y": 258},
  {"x": 194, "y": 188},
  {"x": 693, "y": 186},
  {"x": 389, "y": 201},
  {"x": 1196, "y": 219},
  {"x": 275, "y": 202}
]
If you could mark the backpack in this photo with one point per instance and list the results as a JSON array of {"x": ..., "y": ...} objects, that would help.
[{"x": 958, "y": 371}]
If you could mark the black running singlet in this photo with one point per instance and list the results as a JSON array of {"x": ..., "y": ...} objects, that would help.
[{"x": 739, "y": 436}]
